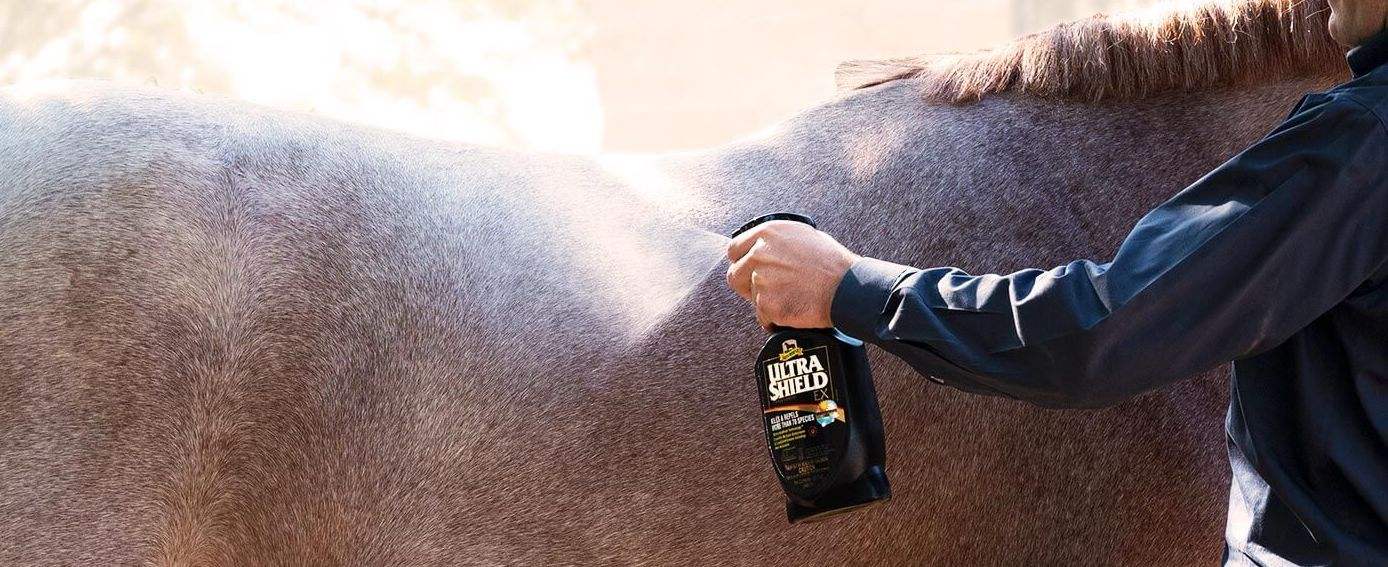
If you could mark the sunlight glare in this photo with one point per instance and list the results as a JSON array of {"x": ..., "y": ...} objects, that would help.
[{"x": 475, "y": 72}]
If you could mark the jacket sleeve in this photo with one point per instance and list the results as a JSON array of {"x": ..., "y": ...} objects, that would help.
[{"x": 1229, "y": 267}]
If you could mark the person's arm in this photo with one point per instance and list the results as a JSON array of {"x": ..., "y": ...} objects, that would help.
[{"x": 1229, "y": 267}]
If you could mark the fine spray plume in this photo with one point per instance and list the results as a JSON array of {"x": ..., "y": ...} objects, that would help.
[
  {"x": 627, "y": 249},
  {"x": 819, "y": 410},
  {"x": 673, "y": 261},
  {"x": 668, "y": 260}
]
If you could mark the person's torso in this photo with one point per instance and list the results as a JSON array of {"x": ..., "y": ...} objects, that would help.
[{"x": 1307, "y": 425}]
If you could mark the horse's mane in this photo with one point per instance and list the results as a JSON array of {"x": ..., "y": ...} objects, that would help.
[{"x": 1130, "y": 56}]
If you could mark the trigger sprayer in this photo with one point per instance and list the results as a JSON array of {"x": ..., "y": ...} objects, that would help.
[{"x": 819, "y": 409}]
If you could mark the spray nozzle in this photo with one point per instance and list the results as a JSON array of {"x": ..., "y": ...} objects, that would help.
[{"x": 796, "y": 217}]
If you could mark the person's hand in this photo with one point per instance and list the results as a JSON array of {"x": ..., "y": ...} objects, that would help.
[{"x": 789, "y": 271}]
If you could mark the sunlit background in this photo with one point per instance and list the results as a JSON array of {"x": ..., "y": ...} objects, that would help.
[{"x": 563, "y": 75}]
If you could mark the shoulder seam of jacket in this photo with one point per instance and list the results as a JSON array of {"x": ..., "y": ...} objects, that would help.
[{"x": 1382, "y": 125}]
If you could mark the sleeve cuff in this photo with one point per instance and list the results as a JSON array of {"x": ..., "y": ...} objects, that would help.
[{"x": 862, "y": 297}]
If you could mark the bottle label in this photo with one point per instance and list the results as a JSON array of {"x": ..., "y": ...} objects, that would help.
[{"x": 805, "y": 422}]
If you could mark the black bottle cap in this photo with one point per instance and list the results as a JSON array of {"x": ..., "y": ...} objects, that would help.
[{"x": 796, "y": 217}]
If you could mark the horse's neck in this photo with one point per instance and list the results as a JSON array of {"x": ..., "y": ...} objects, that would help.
[
  {"x": 885, "y": 158},
  {"x": 1007, "y": 184}
]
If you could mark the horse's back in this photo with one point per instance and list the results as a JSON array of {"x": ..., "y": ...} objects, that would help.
[{"x": 236, "y": 338}]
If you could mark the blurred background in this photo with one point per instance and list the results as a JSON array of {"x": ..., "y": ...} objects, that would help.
[{"x": 559, "y": 75}]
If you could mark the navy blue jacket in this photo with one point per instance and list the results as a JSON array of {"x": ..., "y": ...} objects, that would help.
[{"x": 1274, "y": 261}]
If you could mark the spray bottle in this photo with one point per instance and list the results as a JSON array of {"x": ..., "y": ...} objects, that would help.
[{"x": 819, "y": 408}]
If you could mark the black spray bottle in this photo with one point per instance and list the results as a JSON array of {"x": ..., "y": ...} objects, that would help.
[{"x": 820, "y": 412}]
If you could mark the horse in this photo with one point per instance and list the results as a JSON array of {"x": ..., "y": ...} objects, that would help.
[{"x": 234, "y": 335}]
